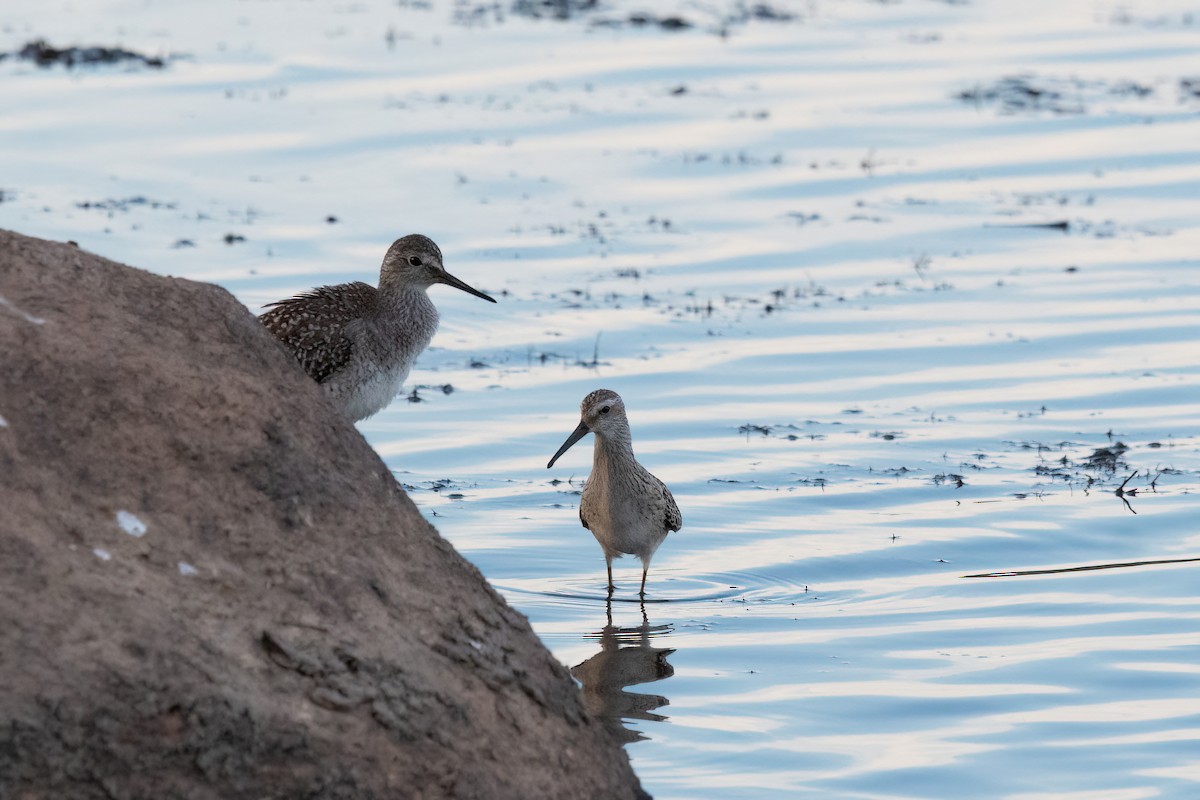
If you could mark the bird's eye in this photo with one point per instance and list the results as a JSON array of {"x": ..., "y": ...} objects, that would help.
[
  {"x": 604, "y": 410},
  {"x": 414, "y": 260}
]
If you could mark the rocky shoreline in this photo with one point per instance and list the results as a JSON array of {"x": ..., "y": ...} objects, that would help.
[{"x": 211, "y": 586}]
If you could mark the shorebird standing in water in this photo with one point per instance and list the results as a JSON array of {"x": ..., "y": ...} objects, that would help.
[
  {"x": 360, "y": 342},
  {"x": 626, "y": 508}
]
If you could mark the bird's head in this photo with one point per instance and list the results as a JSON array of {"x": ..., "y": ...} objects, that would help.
[
  {"x": 415, "y": 260},
  {"x": 603, "y": 413}
]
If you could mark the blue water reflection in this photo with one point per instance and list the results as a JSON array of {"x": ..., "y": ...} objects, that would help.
[
  {"x": 627, "y": 658},
  {"x": 861, "y": 367}
]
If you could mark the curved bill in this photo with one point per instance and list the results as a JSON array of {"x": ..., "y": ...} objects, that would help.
[
  {"x": 450, "y": 280},
  {"x": 577, "y": 434}
]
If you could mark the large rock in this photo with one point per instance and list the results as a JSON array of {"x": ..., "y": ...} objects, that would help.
[{"x": 211, "y": 586}]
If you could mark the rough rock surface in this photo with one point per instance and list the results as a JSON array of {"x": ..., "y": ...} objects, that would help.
[{"x": 211, "y": 586}]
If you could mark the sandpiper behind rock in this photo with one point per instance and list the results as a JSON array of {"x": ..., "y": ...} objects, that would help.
[
  {"x": 360, "y": 342},
  {"x": 626, "y": 508}
]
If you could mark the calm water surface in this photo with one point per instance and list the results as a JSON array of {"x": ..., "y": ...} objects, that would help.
[{"x": 895, "y": 293}]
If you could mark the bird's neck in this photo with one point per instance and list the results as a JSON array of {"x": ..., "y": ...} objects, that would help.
[
  {"x": 402, "y": 293},
  {"x": 409, "y": 302},
  {"x": 405, "y": 314},
  {"x": 612, "y": 447}
]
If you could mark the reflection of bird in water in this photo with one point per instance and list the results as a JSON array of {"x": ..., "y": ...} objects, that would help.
[
  {"x": 626, "y": 658},
  {"x": 626, "y": 508},
  {"x": 360, "y": 342}
]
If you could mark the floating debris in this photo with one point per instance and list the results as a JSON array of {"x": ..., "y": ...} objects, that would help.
[
  {"x": 1058, "y": 225},
  {"x": 123, "y": 205},
  {"x": 46, "y": 55},
  {"x": 715, "y": 20},
  {"x": 749, "y": 429},
  {"x": 1031, "y": 93},
  {"x": 1107, "y": 459},
  {"x": 554, "y": 9},
  {"x": 444, "y": 388},
  {"x": 949, "y": 478}
]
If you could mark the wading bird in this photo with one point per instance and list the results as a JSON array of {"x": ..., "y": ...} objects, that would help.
[{"x": 626, "y": 508}]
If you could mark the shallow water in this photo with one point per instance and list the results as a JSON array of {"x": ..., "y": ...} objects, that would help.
[{"x": 883, "y": 287}]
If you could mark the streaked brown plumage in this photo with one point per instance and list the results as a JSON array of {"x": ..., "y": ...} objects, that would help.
[
  {"x": 312, "y": 324},
  {"x": 358, "y": 341}
]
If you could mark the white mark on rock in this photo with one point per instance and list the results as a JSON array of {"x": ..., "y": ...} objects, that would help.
[
  {"x": 3, "y": 422},
  {"x": 187, "y": 569},
  {"x": 28, "y": 317},
  {"x": 102, "y": 554},
  {"x": 131, "y": 524}
]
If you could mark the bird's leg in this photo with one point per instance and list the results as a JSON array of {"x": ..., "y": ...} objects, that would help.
[
  {"x": 645, "y": 569},
  {"x": 610, "y": 583}
]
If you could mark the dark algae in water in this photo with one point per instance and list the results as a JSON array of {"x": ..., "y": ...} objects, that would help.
[{"x": 44, "y": 54}]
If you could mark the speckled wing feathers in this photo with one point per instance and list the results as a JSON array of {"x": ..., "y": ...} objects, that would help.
[
  {"x": 672, "y": 520},
  {"x": 313, "y": 325}
]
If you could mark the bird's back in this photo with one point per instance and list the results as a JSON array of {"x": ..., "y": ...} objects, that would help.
[{"x": 313, "y": 325}]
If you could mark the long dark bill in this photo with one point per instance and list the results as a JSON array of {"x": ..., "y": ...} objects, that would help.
[
  {"x": 450, "y": 280},
  {"x": 575, "y": 436}
]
